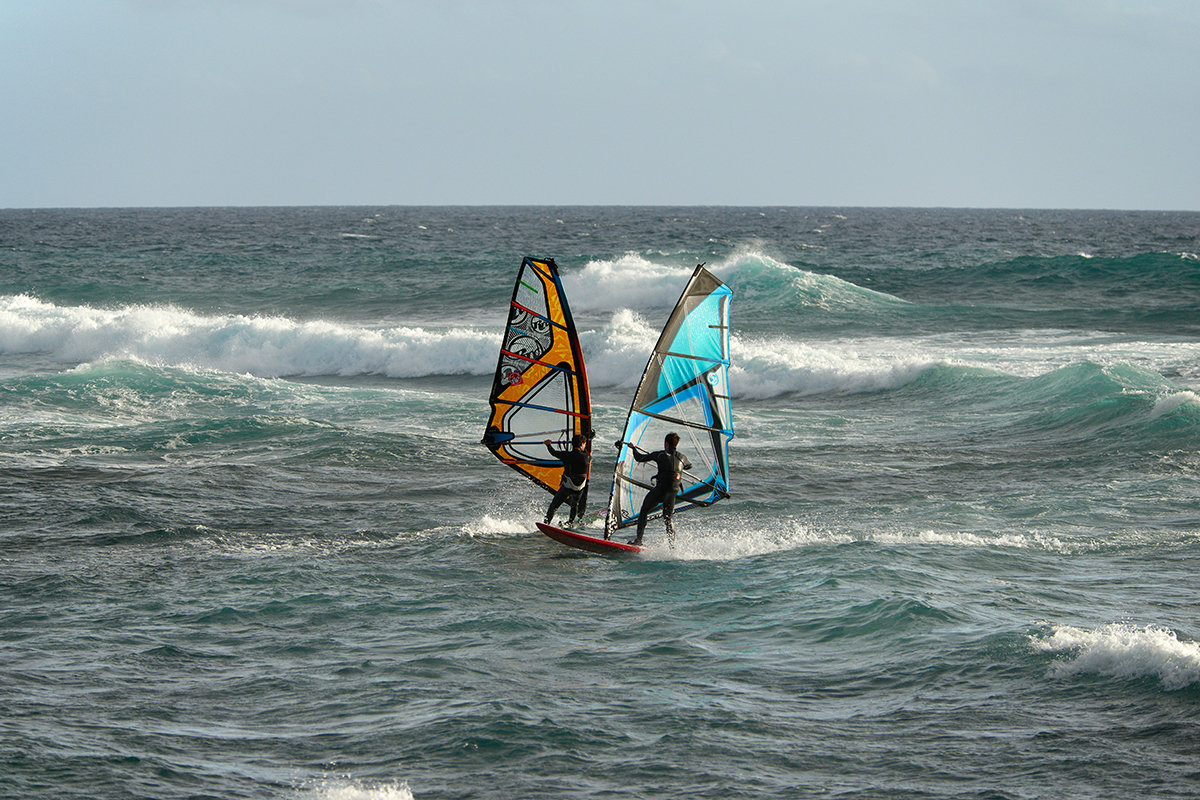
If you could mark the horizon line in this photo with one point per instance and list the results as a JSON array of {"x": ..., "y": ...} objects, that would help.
[{"x": 598, "y": 205}]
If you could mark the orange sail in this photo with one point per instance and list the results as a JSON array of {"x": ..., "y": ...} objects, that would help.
[{"x": 540, "y": 390}]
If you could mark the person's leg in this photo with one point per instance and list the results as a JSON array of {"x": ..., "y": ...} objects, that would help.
[
  {"x": 581, "y": 502},
  {"x": 573, "y": 500},
  {"x": 555, "y": 502},
  {"x": 652, "y": 499},
  {"x": 668, "y": 504}
]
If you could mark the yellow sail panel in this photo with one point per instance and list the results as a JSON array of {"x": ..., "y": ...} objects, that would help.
[{"x": 540, "y": 390}]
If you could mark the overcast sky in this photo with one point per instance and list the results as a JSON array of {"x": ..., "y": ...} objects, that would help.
[{"x": 1012, "y": 103}]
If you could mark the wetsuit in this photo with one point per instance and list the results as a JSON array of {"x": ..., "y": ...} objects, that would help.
[
  {"x": 574, "y": 481},
  {"x": 667, "y": 484}
]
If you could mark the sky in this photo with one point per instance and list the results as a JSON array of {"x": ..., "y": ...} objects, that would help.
[{"x": 943, "y": 103}]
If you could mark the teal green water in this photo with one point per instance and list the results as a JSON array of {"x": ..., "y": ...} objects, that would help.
[{"x": 250, "y": 547}]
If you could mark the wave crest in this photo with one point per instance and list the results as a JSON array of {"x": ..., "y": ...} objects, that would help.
[
  {"x": 1123, "y": 651},
  {"x": 1096, "y": 389},
  {"x": 763, "y": 282},
  {"x": 758, "y": 281},
  {"x": 261, "y": 346}
]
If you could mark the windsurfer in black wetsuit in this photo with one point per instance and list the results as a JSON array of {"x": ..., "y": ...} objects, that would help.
[
  {"x": 576, "y": 463},
  {"x": 667, "y": 483}
]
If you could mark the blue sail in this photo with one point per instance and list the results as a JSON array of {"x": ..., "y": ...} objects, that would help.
[{"x": 684, "y": 389}]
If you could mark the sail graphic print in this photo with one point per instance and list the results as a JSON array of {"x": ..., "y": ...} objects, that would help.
[
  {"x": 540, "y": 389},
  {"x": 685, "y": 389}
]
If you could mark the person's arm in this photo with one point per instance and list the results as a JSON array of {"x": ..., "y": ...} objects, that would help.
[{"x": 638, "y": 453}]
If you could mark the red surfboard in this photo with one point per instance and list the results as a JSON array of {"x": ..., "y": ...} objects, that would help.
[{"x": 589, "y": 543}]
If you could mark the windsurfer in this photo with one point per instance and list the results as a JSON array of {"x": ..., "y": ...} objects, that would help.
[
  {"x": 576, "y": 464},
  {"x": 667, "y": 483}
]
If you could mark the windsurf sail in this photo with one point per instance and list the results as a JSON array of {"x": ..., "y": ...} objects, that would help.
[
  {"x": 685, "y": 389},
  {"x": 540, "y": 390}
]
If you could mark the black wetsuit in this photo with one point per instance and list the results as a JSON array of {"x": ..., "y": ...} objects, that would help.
[
  {"x": 575, "y": 469},
  {"x": 667, "y": 484}
]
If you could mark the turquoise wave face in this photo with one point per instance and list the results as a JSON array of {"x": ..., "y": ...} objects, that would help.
[{"x": 1153, "y": 292}]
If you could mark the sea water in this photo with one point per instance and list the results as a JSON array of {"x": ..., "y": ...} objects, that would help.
[{"x": 250, "y": 546}]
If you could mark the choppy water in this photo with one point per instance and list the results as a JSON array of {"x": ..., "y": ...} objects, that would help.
[{"x": 250, "y": 547}]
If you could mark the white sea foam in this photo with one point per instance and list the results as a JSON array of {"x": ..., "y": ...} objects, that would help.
[
  {"x": 733, "y": 543},
  {"x": 728, "y": 536},
  {"x": 261, "y": 346},
  {"x": 761, "y": 278},
  {"x": 1031, "y": 541},
  {"x": 763, "y": 366},
  {"x": 617, "y": 353},
  {"x": 733, "y": 539},
  {"x": 1123, "y": 651},
  {"x": 636, "y": 282},
  {"x": 1168, "y": 403},
  {"x": 767, "y": 367},
  {"x": 349, "y": 789},
  {"x": 630, "y": 281},
  {"x": 489, "y": 526}
]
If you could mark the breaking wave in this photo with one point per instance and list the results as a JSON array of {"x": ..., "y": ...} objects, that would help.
[
  {"x": 758, "y": 281},
  {"x": 261, "y": 346},
  {"x": 616, "y": 345},
  {"x": 1123, "y": 651}
]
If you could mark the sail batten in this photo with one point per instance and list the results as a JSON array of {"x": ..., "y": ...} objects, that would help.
[
  {"x": 694, "y": 357},
  {"x": 540, "y": 389},
  {"x": 531, "y": 312},
  {"x": 542, "y": 408},
  {"x": 677, "y": 421},
  {"x": 520, "y": 357},
  {"x": 685, "y": 389}
]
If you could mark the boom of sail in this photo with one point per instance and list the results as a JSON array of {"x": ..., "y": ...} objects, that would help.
[
  {"x": 540, "y": 390},
  {"x": 685, "y": 389}
]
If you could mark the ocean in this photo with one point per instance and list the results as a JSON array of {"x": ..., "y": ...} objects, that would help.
[{"x": 251, "y": 547}]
